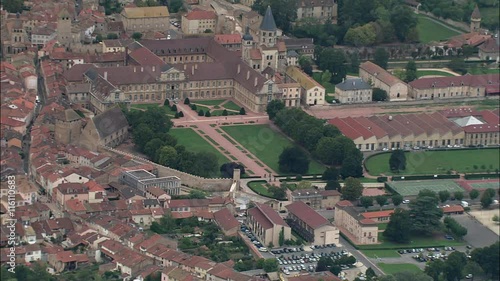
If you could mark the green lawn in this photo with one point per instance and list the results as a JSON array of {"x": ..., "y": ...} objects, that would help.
[
  {"x": 477, "y": 71},
  {"x": 416, "y": 242},
  {"x": 438, "y": 162},
  {"x": 391, "y": 268},
  {"x": 259, "y": 188},
  {"x": 381, "y": 253},
  {"x": 429, "y": 30},
  {"x": 144, "y": 105},
  {"x": 266, "y": 144},
  {"x": 421, "y": 73},
  {"x": 329, "y": 87},
  {"x": 195, "y": 143},
  {"x": 382, "y": 226},
  {"x": 208, "y": 102},
  {"x": 231, "y": 106}
]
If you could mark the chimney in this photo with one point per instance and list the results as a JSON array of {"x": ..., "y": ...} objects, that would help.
[
  {"x": 105, "y": 75},
  {"x": 248, "y": 74},
  {"x": 192, "y": 70},
  {"x": 239, "y": 68},
  {"x": 255, "y": 82}
]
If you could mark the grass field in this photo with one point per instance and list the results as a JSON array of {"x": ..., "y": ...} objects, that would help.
[
  {"x": 391, "y": 268},
  {"x": 259, "y": 188},
  {"x": 416, "y": 242},
  {"x": 195, "y": 143},
  {"x": 412, "y": 188},
  {"x": 421, "y": 73},
  {"x": 485, "y": 185},
  {"x": 329, "y": 87},
  {"x": 208, "y": 102},
  {"x": 266, "y": 144},
  {"x": 381, "y": 253},
  {"x": 438, "y": 162},
  {"x": 230, "y": 105},
  {"x": 478, "y": 71},
  {"x": 429, "y": 30}
]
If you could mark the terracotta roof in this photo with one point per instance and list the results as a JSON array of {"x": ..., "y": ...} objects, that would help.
[
  {"x": 228, "y": 38},
  {"x": 307, "y": 214},
  {"x": 266, "y": 216},
  {"x": 344, "y": 203},
  {"x": 255, "y": 54},
  {"x": 68, "y": 256},
  {"x": 379, "y": 214},
  {"x": 225, "y": 219},
  {"x": 490, "y": 46},
  {"x": 143, "y": 56},
  {"x": 453, "y": 209},
  {"x": 379, "y": 73},
  {"x": 330, "y": 193},
  {"x": 466, "y": 80},
  {"x": 197, "y": 14},
  {"x": 367, "y": 221}
]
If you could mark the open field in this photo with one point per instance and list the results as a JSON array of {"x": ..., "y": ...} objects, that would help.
[
  {"x": 412, "y": 188},
  {"x": 416, "y": 242},
  {"x": 438, "y": 162},
  {"x": 429, "y": 30},
  {"x": 195, "y": 143},
  {"x": 266, "y": 144},
  {"x": 421, "y": 73},
  {"x": 381, "y": 253},
  {"x": 329, "y": 87},
  {"x": 259, "y": 188},
  {"x": 478, "y": 71},
  {"x": 391, "y": 268}
]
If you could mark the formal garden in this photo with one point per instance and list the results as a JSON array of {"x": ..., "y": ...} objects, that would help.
[{"x": 210, "y": 108}]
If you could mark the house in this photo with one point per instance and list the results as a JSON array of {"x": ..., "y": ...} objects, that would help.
[
  {"x": 452, "y": 210},
  {"x": 109, "y": 128},
  {"x": 310, "y": 225},
  {"x": 66, "y": 191},
  {"x": 142, "y": 180},
  {"x": 199, "y": 21},
  {"x": 379, "y": 216},
  {"x": 33, "y": 253},
  {"x": 353, "y": 90},
  {"x": 267, "y": 224},
  {"x": 115, "y": 45},
  {"x": 490, "y": 49},
  {"x": 322, "y": 10},
  {"x": 330, "y": 198},
  {"x": 142, "y": 19},
  {"x": 312, "y": 92},
  {"x": 378, "y": 77},
  {"x": 154, "y": 192},
  {"x": 229, "y": 41},
  {"x": 226, "y": 222},
  {"x": 354, "y": 226},
  {"x": 66, "y": 261}
]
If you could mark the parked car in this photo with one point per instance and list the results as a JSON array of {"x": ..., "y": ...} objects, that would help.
[{"x": 406, "y": 201}]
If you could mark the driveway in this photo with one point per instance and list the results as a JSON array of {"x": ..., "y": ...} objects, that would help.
[{"x": 478, "y": 235}]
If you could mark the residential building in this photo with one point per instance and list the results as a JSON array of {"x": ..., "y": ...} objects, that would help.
[
  {"x": 322, "y": 10},
  {"x": 378, "y": 77},
  {"x": 198, "y": 22},
  {"x": 229, "y": 41},
  {"x": 109, "y": 128},
  {"x": 312, "y": 197},
  {"x": 66, "y": 261},
  {"x": 330, "y": 198},
  {"x": 358, "y": 229},
  {"x": 41, "y": 35},
  {"x": 291, "y": 94},
  {"x": 66, "y": 191},
  {"x": 267, "y": 224},
  {"x": 353, "y": 90},
  {"x": 115, "y": 45},
  {"x": 226, "y": 221},
  {"x": 310, "y": 225},
  {"x": 312, "y": 92},
  {"x": 379, "y": 216},
  {"x": 454, "y": 87},
  {"x": 490, "y": 49},
  {"x": 142, "y": 180},
  {"x": 142, "y": 19}
]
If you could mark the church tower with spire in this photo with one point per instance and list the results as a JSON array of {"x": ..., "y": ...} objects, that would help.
[
  {"x": 268, "y": 30},
  {"x": 246, "y": 45},
  {"x": 475, "y": 20}
]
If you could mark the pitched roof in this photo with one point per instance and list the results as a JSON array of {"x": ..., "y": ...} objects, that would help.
[
  {"x": 465, "y": 80},
  {"x": 268, "y": 23},
  {"x": 353, "y": 84},
  {"x": 380, "y": 73},
  {"x": 145, "y": 12},
  {"x": 198, "y": 14},
  {"x": 476, "y": 14},
  {"x": 307, "y": 214},
  {"x": 110, "y": 121},
  {"x": 490, "y": 45},
  {"x": 228, "y": 38},
  {"x": 143, "y": 56},
  {"x": 225, "y": 219},
  {"x": 379, "y": 214},
  {"x": 302, "y": 78},
  {"x": 266, "y": 216},
  {"x": 453, "y": 209}
]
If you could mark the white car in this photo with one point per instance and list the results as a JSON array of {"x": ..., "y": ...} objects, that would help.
[
  {"x": 406, "y": 201},
  {"x": 262, "y": 249}
]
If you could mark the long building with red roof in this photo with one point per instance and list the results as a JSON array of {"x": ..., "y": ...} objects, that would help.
[
  {"x": 462, "y": 127},
  {"x": 267, "y": 224}
]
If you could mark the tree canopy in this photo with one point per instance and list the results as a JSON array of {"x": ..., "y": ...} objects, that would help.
[
  {"x": 425, "y": 217},
  {"x": 352, "y": 190},
  {"x": 399, "y": 227},
  {"x": 273, "y": 107},
  {"x": 284, "y": 11},
  {"x": 397, "y": 161},
  {"x": 293, "y": 160}
]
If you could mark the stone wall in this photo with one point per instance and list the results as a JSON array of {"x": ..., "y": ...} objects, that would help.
[{"x": 215, "y": 184}]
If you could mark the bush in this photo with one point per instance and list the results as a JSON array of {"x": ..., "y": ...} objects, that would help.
[
  {"x": 207, "y": 114},
  {"x": 174, "y": 108},
  {"x": 298, "y": 177},
  {"x": 224, "y": 113},
  {"x": 181, "y": 114},
  {"x": 242, "y": 111},
  {"x": 381, "y": 179},
  {"x": 201, "y": 113},
  {"x": 166, "y": 102},
  {"x": 193, "y": 107},
  {"x": 186, "y": 101},
  {"x": 176, "y": 115}
]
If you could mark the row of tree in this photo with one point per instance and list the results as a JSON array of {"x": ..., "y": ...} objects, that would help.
[
  {"x": 150, "y": 134},
  {"x": 324, "y": 141}
]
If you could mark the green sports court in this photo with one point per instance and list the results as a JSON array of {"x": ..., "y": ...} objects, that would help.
[{"x": 412, "y": 188}]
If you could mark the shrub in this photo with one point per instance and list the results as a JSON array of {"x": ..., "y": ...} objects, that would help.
[
  {"x": 186, "y": 101},
  {"x": 298, "y": 177},
  {"x": 176, "y": 115},
  {"x": 193, "y": 107},
  {"x": 381, "y": 179},
  {"x": 201, "y": 113},
  {"x": 207, "y": 114},
  {"x": 174, "y": 108},
  {"x": 224, "y": 113},
  {"x": 181, "y": 114},
  {"x": 166, "y": 102},
  {"x": 242, "y": 111}
]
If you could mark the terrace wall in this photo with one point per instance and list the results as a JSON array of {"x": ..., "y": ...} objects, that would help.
[{"x": 214, "y": 184}]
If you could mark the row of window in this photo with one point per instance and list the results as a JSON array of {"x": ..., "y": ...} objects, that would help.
[{"x": 444, "y": 95}]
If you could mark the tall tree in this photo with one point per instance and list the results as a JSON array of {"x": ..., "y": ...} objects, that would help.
[
  {"x": 399, "y": 227},
  {"x": 333, "y": 185},
  {"x": 13, "y": 6},
  {"x": 293, "y": 160},
  {"x": 473, "y": 194},
  {"x": 410, "y": 71},
  {"x": 352, "y": 190},
  {"x": 425, "y": 217},
  {"x": 444, "y": 195},
  {"x": 397, "y": 199},
  {"x": 335, "y": 61},
  {"x": 273, "y": 107},
  {"x": 331, "y": 173},
  {"x": 489, "y": 259},
  {"x": 167, "y": 156},
  {"x": 404, "y": 21},
  {"x": 366, "y": 201},
  {"x": 435, "y": 269},
  {"x": 306, "y": 64},
  {"x": 454, "y": 264},
  {"x": 397, "y": 161},
  {"x": 381, "y": 200},
  {"x": 379, "y": 95},
  {"x": 381, "y": 57}
]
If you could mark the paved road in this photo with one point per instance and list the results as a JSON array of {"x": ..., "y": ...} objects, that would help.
[
  {"x": 360, "y": 256},
  {"x": 478, "y": 235}
]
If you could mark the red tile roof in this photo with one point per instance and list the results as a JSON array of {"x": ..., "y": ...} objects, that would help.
[
  {"x": 307, "y": 214},
  {"x": 379, "y": 214},
  {"x": 225, "y": 219},
  {"x": 381, "y": 74},
  {"x": 201, "y": 15},
  {"x": 228, "y": 38},
  {"x": 453, "y": 209},
  {"x": 267, "y": 215},
  {"x": 344, "y": 203},
  {"x": 466, "y": 80},
  {"x": 144, "y": 57},
  {"x": 367, "y": 221}
]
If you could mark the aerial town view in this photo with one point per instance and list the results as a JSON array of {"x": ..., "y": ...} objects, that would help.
[{"x": 250, "y": 140}]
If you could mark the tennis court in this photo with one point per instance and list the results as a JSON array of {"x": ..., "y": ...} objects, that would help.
[
  {"x": 412, "y": 188},
  {"x": 479, "y": 184}
]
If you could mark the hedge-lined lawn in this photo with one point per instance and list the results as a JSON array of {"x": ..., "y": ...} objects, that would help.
[
  {"x": 439, "y": 162},
  {"x": 421, "y": 73},
  {"x": 231, "y": 106},
  {"x": 381, "y": 254},
  {"x": 260, "y": 188},
  {"x": 391, "y": 268},
  {"x": 266, "y": 144},
  {"x": 429, "y": 30},
  {"x": 195, "y": 143},
  {"x": 208, "y": 102}
]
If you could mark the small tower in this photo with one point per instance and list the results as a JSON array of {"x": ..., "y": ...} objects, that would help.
[
  {"x": 64, "y": 27},
  {"x": 475, "y": 20},
  {"x": 268, "y": 29},
  {"x": 247, "y": 44}
]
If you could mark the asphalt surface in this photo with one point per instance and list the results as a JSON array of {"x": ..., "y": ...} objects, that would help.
[{"x": 478, "y": 235}]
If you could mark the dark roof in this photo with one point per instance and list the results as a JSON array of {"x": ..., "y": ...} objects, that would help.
[
  {"x": 110, "y": 121},
  {"x": 476, "y": 14},
  {"x": 247, "y": 36},
  {"x": 268, "y": 23},
  {"x": 353, "y": 84},
  {"x": 307, "y": 214}
]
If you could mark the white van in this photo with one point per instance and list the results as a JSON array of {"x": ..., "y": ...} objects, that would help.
[{"x": 464, "y": 204}]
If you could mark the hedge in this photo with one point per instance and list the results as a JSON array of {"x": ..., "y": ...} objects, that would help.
[
  {"x": 424, "y": 177},
  {"x": 381, "y": 179},
  {"x": 481, "y": 176}
]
